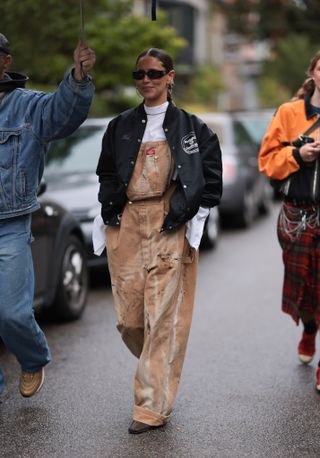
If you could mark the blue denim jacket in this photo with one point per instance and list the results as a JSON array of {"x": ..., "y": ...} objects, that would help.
[{"x": 29, "y": 120}]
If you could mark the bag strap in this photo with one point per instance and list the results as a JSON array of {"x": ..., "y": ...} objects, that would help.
[
  {"x": 313, "y": 127},
  {"x": 307, "y": 132}
]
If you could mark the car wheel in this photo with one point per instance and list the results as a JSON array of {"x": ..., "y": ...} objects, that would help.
[
  {"x": 73, "y": 283},
  {"x": 266, "y": 201},
  {"x": 244, "y": 218},
  {"x": 211, "y": 230}
]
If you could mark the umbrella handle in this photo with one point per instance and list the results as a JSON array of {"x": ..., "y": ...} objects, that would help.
[
  {"x": 81, "y": 34},
  {"x": 154, "y": 10}
]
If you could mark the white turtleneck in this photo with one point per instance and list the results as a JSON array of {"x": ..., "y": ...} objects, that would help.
[{"x": 155, "y": 117}]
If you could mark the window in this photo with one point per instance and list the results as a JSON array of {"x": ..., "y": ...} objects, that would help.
[{"x": 181, "y": 17}]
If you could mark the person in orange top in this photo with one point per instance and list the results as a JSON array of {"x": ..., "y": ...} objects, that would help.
[{"x": 289, "y": 156}]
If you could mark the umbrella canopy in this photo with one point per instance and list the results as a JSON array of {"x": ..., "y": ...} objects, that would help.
[{"x": 154, "y": 10}]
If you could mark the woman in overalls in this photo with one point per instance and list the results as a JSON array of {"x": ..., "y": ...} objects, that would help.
[{"x": 160, "y": 172}]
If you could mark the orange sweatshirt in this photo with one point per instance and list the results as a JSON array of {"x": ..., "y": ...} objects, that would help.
[{"x": 290, "y": 121}]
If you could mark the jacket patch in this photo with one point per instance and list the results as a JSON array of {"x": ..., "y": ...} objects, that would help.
[
  {"x": 189, "y": 143},
  {"x": 150, "y": 151},
  {"x": 125, "y": 137}
]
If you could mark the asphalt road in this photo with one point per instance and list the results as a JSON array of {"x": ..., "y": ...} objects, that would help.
[{"x": 243, "y": 392}]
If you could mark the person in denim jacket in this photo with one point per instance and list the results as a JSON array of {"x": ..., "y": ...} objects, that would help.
[{"x": 29, "y": 120}]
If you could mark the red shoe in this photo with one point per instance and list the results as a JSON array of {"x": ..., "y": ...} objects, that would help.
[{"x": 307, "y": 347}]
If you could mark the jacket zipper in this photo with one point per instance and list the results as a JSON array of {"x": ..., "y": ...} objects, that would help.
[
  {"x": 286, "y": 186},
  {"x": 315, "y": 181},
  {"x": 315, "y": 176}
]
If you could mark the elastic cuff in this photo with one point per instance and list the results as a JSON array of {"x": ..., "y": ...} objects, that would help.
[
  {"x": 298, "y": 158},
  {"x": 149, "y": 417},
  {"x": 84, "y": 82}
]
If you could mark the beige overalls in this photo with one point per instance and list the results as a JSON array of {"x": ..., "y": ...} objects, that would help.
[{"x": 153, "y": 277}]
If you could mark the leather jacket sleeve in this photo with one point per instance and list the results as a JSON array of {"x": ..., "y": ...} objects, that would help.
[
  {"x": 206, "y": 189},
  {"x": 111, "y": 193},
  {"x": 210, "y": 153}
]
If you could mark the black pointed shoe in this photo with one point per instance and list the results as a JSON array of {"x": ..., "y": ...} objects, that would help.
[{"x": 137, "y": 427}]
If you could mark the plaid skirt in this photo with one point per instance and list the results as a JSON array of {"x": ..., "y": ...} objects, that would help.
[{"x": 299, "y": 237}]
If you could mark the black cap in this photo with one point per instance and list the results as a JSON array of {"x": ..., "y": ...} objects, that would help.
[{"x": 4, "y": 44}]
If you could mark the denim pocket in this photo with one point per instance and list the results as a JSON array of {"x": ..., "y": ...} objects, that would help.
[
  {"x": 4, "y": 205},
  {"x": 9, "y": 144}
]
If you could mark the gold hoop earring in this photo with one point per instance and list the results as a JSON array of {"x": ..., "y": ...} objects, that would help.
[{"x": 170, "y": 88}]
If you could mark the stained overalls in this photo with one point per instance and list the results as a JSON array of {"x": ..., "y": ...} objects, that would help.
[{"x": 153, "y": 277}]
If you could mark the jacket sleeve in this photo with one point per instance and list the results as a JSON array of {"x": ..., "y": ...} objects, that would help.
[
  {"x": 56, "y": 115},
  {"x": 210, "y": 154},
  {"x": 275, "y": 160},
  {"x": 110, "y": 196}
]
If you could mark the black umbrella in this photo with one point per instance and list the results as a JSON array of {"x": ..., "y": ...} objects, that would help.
[
  {"x": 81, "y": 34},
  {"x": 81, "y": 31},
  {"x": 154, "y": 10}
]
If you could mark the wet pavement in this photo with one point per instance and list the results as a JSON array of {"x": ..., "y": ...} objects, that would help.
[{"x": 243, "y": 391}]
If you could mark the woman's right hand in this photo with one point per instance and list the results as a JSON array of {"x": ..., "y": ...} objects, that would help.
[{"x": 310, "y": 151}]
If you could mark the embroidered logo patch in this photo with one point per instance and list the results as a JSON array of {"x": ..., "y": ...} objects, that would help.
[
  {"x": 150, "y": 151},
  {"x": 189, "y": 143}
]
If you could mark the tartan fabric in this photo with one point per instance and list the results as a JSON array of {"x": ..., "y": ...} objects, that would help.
[{"x": 301, "y": 257}]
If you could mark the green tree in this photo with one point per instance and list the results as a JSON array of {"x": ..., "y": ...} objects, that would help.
[
  {"x": 204, "y": 86},
  {"x": 277, "y": 19},
  {"x": 282, "y": 76},
  {"x": 291, "y": 29},
  {"x": 44, "y": 34},
  {"x": 272, "y": 19},
  {"x": 293, "y": 54},
  {"x": 118, "y": 46}
]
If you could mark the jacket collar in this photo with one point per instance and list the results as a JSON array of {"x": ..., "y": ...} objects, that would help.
[
  {"x": 307, "y": 106},
  {"x": 12, "y": 81}
]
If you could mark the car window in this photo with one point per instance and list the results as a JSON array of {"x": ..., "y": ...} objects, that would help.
[
  {"x": 256, "y": 126},
  {"x": 77, "y": 153},
  {"x": 241, "y": 135}
]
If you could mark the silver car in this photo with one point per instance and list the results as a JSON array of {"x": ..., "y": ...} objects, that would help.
[{"x": 246, "y": 192}]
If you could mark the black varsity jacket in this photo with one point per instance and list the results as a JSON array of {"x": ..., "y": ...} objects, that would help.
[{"x": 196, "y": 153}]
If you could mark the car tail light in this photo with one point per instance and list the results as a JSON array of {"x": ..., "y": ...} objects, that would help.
[{"x": 230, "y": 171}]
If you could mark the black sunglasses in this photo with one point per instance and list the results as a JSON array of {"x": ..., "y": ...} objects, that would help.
[{"x": 152, "y": 74}]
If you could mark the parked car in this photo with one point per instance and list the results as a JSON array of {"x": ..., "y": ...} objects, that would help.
[
  {"x": 246, "y": 192},
  {"x": 59, "y": 256},
  {"x": 71, "y": 178}
]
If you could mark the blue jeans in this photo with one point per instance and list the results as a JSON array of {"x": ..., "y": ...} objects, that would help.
[{"x": 18, "y": 327}]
